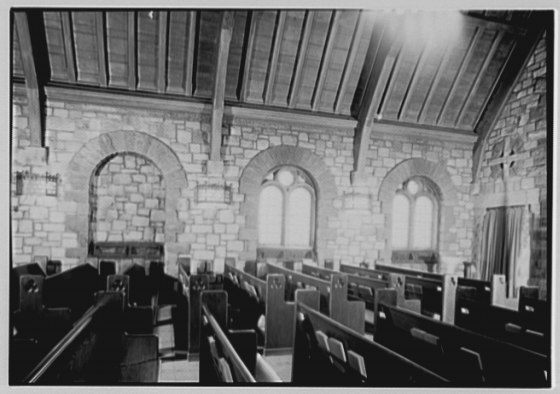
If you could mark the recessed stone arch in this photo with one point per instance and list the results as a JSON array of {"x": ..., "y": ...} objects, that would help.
[
  {"x": 260, "y": 166},
  {"x": 94, "y": 154},
  {"x": 435, "y": 172}
]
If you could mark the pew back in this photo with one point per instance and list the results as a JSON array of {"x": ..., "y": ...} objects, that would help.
[{"x": 314, "y": 364}]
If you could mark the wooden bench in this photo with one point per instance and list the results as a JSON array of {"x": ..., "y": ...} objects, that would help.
[
  {"x": 255, "y": 297},
  {"x": 192, "y": 287},
  {"x": 333, "y": 294},
  {"x": 359, "y": 288},
  {"x": 98, "y": 351},
  {"x": 327, "y": 353},
  {"x": 228, "y": 356},
  {"x": 462, "y": 356}
]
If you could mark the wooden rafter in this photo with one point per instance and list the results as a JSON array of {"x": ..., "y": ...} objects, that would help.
[
  {"x": 32, "y": 84},
  {"x": 100, "y": 34},
  {"x": 383, "y": 64},
  {"x": 131, "y": 50},
  {"x": 459, "y": 75},
  {"x": 390, "y": 86},
  {"x": 325, "y": 60},
  {"x": 478, "y": 79},
  {"x": 247, "y": 55},
  {"x": 435, "y": 82},
  {"x": 349, "y": 64},
  {"x": 508, "y": 76},
  {"x": 300, "y": 59},
  {"x": 162, "y": 51},
  {"x": 68, "y": 46},
  {"x": 220, "y": 85},
  {"x": 413, "y": 80},
  {"x": 495, "y": 83},
  {"x": 273, "y": 63},
  {"x": 189, "y": 58}
]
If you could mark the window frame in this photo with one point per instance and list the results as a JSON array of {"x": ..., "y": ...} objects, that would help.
[
  {"x": 427, "y": 190},
  {"x": 308, "y": 185}
]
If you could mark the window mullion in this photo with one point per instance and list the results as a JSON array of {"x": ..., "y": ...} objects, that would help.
[
  {"x": 411, "y": 222},
  {"x": 284, "y": 216}
]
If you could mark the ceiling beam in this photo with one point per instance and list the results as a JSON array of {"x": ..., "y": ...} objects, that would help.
[
  {"x": 131, "y": 50},
  {"x": 325, "y": 60},
  {"x": 189, "y": 56},
  {"x": 302, "y": 50},
  {"x": 220, "y": 85},
  {"x": 100, "y": 33},
  {"x": 421, "y": 119},
  {"x": 495, "y": 83},
  {"x": 274, "y": 52},
  {"x": 384, "y": 61},
  {"x": 391, "y": 77},
  {"x": 162, "y": 51},
  {"x": 68, "y": 46},
  {"x": 247, "y": 56},
  {"x": 413, "y": 80},
  {"x": 32, "y": 85},
  {"x": 350, "y": 59},
  {"x": 540, "y": 21},
  {"x": 479, "y": 75},
  {"x": 459, "y": 75}
]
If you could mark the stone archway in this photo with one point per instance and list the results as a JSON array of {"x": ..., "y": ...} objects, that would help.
[
  {"x": 94, "y": 154},
  {"x": 262, "y": 164},
  {"x": 418, "y": 167}
]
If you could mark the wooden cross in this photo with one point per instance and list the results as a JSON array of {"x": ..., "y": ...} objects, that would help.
[{"x": 508, "y": 157}]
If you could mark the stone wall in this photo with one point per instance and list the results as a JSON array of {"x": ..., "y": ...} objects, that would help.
[
  {"x": 351, "y": 224},
  {"x": 520, "y": 131},
  {"x": 127, "y": 201}
]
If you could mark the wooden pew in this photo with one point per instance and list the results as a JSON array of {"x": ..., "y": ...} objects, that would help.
[
  {"x": 192, "y": 287},
  {"x": 434, "y": 293},
  {"x": 359, "y": 288},
  {"x": 98, "y": 351},
  {"x": 15, "y": 274},
  {"x": 228, "y": 356},
  {"x": 462, "y": 356},
  {"x": 36, "y": 328},
  {"x": 327, "y": 353},
  {"x": 527, "y": 327},
  {"x": 269, "y": 301},
  {"x": 359, "y": 271},
  {"x": 333, "y": 295},
  {"x": 80, "y": 281}
]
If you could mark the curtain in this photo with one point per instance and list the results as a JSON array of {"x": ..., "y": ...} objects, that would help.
[{"x": 504, "y": 247}]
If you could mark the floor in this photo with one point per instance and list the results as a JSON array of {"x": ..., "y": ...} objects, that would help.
[{"x": 172, "y": 368}]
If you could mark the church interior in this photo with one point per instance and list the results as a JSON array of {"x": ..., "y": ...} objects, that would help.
[{"x": 308, "y": 197}]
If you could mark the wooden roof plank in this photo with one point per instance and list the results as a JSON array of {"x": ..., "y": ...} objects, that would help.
[
  {"x": 101, "y": 48},
  {"x": 247, "y": 55},
  {"x": 68, "y": 46},
  {"x": 131, "y": 26},
  {"x": 474, "y": 87},
  {"x": 325, "y": 59},
  {"x": 464, "y": 64},
  {"x": 413, "y": 81},
  {"x": 162, "y": 51},
  {"x": 354, "y": 45},
  {"x": 189, "y": 58},
  {"x": 304, "y": 41},
  {"x": 273, "y": 63}
]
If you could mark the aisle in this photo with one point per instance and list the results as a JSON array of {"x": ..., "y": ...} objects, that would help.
[{"x": 173, "y": 368}]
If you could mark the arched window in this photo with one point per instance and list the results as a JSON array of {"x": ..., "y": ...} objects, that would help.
[
  {"x": 415, "y": 216},
  {"x": 287, "y": 210}
]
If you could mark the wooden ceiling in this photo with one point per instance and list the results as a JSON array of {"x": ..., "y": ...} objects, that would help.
[{"x": 439, "y": 71}]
